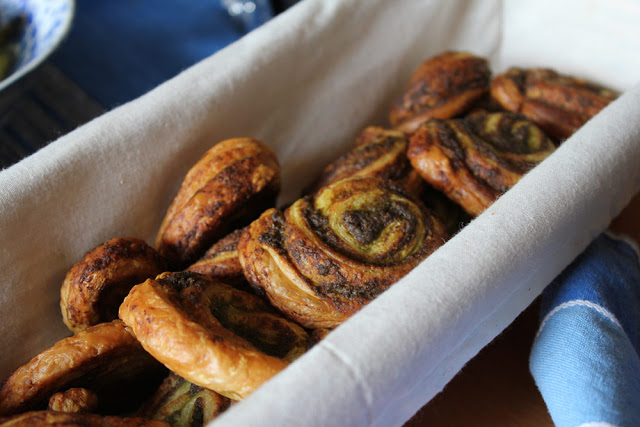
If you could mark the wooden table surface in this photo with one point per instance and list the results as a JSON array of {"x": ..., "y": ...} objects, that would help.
[{"x": 496, "y": 388}]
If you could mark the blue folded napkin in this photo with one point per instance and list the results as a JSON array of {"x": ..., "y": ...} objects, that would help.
[
  {"x": 117, "y": 51},
  {"x": 585, "y": 356}
]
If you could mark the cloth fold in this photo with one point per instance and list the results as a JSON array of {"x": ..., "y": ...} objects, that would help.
[{"x": 585, "y": 356}]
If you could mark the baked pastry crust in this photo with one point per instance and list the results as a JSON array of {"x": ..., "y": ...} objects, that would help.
[
  {"x": 476, "y": 159},
  {"x": 184, "y": 404},
  {"x": 193, "y": 325},
  {"x": 75, "y": 400},
  {"x": 50, "y": 418},
  {"x": 228, "y": 187},
  {"x": 442, "y": 87},
  {"x": 95, "y": 286},
  {"x": 558, "y": 103},
  {"x": 103, "y": 358},
  {"x": 377, "y": 152},
  {"x": 329, "y": 254},
  {"x": 221, "y": 261}
]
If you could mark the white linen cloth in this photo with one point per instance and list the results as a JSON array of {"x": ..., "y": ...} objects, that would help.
[{"x": 306, "y": 83}]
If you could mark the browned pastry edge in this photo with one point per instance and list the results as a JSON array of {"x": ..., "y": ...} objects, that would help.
[
  {"x": 443, "y": 87},
  {"x": 230, "y": 185},
  {"x": 560, "y": 104},
  {"x": 95, "y": 286},
  {"x": 191, "y": 342},
  {"x": 377, "y": 152},
  {"x": 221, "y": 261},
  {"x": 50, "y": 418},
  {"x": 100, "y": 357}
]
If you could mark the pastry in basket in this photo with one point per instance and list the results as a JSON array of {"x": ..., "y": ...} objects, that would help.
[
  {"x": 76, "y": 400},
  {"x": 476, "y": 159},
  {"x": 442, "y": 87},
  {"x": 96, "y": 285},
  {"x": 210, "y": 333},
  {"x": 228, "y": 187},
  {"x": 104, "y": 358},
  {"x": 51, "y": 418},
  {"x": 378, "y": 152},
  {"x": 329, "y": 254},
  {"x": 558, "y": 103},
  {"x": 184, "y": 404},
  {"x": 221, "y": 262}
]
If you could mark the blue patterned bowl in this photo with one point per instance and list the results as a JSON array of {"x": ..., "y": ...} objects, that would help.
[{"x": 46, "y": 22}]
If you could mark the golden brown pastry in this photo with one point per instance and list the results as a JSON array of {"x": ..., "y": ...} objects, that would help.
[
  {"x": 76, "y": 400},
  {"x": 378, "y": 152},
  {"x": 50, "y": 418},
  {"x": 210, "y": 333},
  {"x": 331, "y": 253},
  {"x": 442, "y": 87},
  {"x": 184, "y": 404},
  {"x": 228, "y": 187},
  {"x": 104, "y": 358},
  {"x": 95, "y": 286},
  {"x": 558, "y": 103},
  {"x": 221, "y": 261},
  {"x": 476, "y": 159}
]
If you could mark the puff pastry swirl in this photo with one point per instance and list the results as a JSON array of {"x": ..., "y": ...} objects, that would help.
[
  {"x": 228, "y": 187},
  {"x": 95, "y": 286},
  {"x": 558, "y": 103},
  {"x": 103, "y": 358},
  {"x": 378, "y": 152},
  {"x": 476, "y": 159},
  {"x": 442, "y": 87},
  {"x": 329, "y": 254},
  {"x": 210, "y": 333}
]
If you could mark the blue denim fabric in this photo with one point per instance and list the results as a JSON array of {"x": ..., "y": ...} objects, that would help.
[{"x": 585, "y": 359}]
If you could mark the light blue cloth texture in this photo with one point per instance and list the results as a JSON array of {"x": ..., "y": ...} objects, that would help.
[{"x": 585, "y": 356}]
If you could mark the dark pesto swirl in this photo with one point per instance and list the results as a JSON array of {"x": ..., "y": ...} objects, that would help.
[
  {"x": 329, "y": 254},
  {"x": 558, "y": 103},
  {"x": 476, "y": 159}
]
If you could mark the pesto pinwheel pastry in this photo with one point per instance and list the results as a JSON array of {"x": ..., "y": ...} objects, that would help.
[
  {"x": 558, "y": 103},
  {"x": 210, "y": 333},
  {"x": 104, "y": 358},
  {"x": 51, "y": 418},
  {"x": 476, "y": 159},
  {"x": 184, "y": 404},
  {"x": 442, "y": 87},
  {"x": 233, "y": 182},
  {"x": 221, "y": 262},
  {"x": 377, "y": 152},
  {"x": 95, "y": 286},
  {"x": 330, "y": 253}
]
